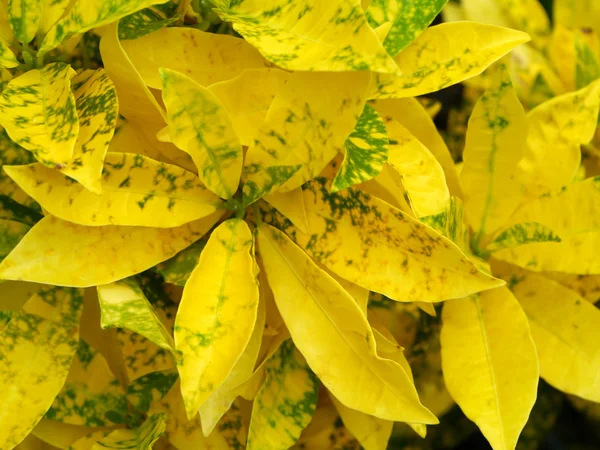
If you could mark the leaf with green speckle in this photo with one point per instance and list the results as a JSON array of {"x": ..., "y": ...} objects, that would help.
[
  {"x": 13, "y": 154},
  {"x": 217, "y": 313},
  {"x": 38, "y": 111},
  {"x": 366, "y": 151},
  {"x": 200, "y": 126},
  {"x": 24, "y": 18},
  {"x": 136, "y": 191},
  {"x": 124, "y": 305},
  {"x": 451, "y": 223},
  {"x": 271, "y": 179},
  {"x": 150, "y": 19},
  {"x": 309, "y": 34},
  {"x": 11, "y": 233},
  {"x": 145, "y": 390},
  {"x": 409, "y": 19},
  {"x": 178, "y": 269},
  {"x": 7, "y": 57},
  {"x": 587, "y": 65},
  {"x": 522, "y": 233},
  {"x": 36, "y": 349},
  {"x": 142, "y": 438},
  {"x": 12, "y": 210},
  {"x": 285, "y": 403},
  {"x": 91, "y": 396}
]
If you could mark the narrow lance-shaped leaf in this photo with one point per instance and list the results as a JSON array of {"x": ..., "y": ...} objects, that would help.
[
  {"x": 59, "y": 252},
  {"x": 24, "y": 17},
  {"x": 366, "y": 151},
  {"x": 409, "y": 19},
  {"x": 217, "y": 313},
  {"x": 199, "y": 125},
  {"x": 142, "y": 438},
  {"x": 124, "y": 305},
  {"x": 36, "y": 349},
  {"x": 339, "y": 346},
  {"x": 446, "y": 54},
  {"x": 285, "y": 403},
  {"x": 136, "y": 191},
  {"x": 309, "y": 34},
  {"x": 490, "y": 363},
  {"x": 495, "y": 144},
  {"x": 38, "y": 111}
]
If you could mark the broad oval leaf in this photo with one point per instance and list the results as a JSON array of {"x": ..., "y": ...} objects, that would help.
[
  {"x": 339, "y": 345},
  {"x": 217, "y": 313},
  {"x": 142, "y": 438},
  {"x": 56, "y": 252},
  {"x": 366, "y": 151},
  {"x": 490, "y": 363},
  {"x": 200, "y": 126},
  {"x": 136, "y": 191},
  {"x": 309, "y": 34},
  {"x": 39, "y": 113},
  {"x": 495, "y": 144},
  {"x": 383, "y": 249},
  {"x": 36, "y": 348},
  {"x": 444, "y": 55}
]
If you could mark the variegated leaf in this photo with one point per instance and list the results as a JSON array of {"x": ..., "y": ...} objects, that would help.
[
  {"x": 142, "y": 438},
  {"x": 12, "y": 210},
  {"x": 7, "y": 57},
  {"x": 24, "y": 17},
  {"x": 11, "y": 233},
  {"x": 178, "y": 269},
  {"x": 151, "y": 19},
  {"x": 522, "y": 233},
  {"x": 145, "y": 390}
]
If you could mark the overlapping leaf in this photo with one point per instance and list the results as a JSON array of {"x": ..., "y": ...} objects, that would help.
[{"x": 142, "y": 438}]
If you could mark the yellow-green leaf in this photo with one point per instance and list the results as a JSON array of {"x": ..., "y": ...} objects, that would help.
[
  {"x": 39, "y": 113},
  {"x": 58, "y": 252},
  {"x": 557, "y": 129},
  {"x": 285, "y": 403},
  {"x": 366, "y": 151},
  {"x": 309, "y": 34},
  {"x": 136, "y": 191},
  {"x": 490, "y": 363},
  {"x": 207, "y": 58},
  {"x": 24, "y": 17},
  {"x": 7, "y": 57},
  {"x": 11, "y": 233},
  {"x": 200, "y": 126},
  {"x": 87, "y": 14},
  {"x": 151, "y": 19},
  {"x": 409, "y": 19},
  {"x": 339, "y": 345},
  {"x": 307, "y": 124},
  {"x": 36, "y": 349},
  {"x": 11, "y": 153},
  {"x": 178, "y": 269},
  {"x": 269, "y": 180},
  {"x": 495, "y": 144},
  {"x": 142, "y": 438},
  {"x": 447, "y": 54},
  {"x": 291, "y": 205},
  {"x": 522, "y": 233},
  {"x": 587, "y": 65},
  {"x": 572, "y": 214},
  {"x": 91, "y": 396},
  {"x": 383, "y": 249},
  {"x": 124, "y": 305},
  {"x": 147, "y": 389},
  {"x": 98, "y": 109},
  {"x": 577, "y": 14},
  {"x": 217, "y": 313}
]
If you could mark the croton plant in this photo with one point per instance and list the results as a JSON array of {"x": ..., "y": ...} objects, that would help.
[{"x": 233, "y": 224}]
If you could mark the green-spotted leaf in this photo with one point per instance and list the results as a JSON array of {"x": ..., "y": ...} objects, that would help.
[
  {"x": 11, "y": 233},
  {"x": 124, "y": 305},
  {"x": 24, "y": 17},
  {"x": 587, "y": 65},
  {"x": 285, "y": 403},
  {"x": 270, "y": 180},
  {"x": 97, "y": 108},
  {"x": 444, "y": 55},
  {"x": 199, "y": 125},
  {"x": 145, "y": 390},
  {"x": 142, "y": 438},
  {"x": 12, "y": 210},
  {"x": 409, "y": 19},
  {"x": 7, "y": 57},
  {"x": 11, "y": 153},
  {"x": 522, "y": 233},
  {"x": 148, "y": 20},
  {"x": 451, "y": 223},
  {"x": 91, "y": 396},
  {"x": 136, "y": 191},
  {"x": 309, "y": 34},
  {"x": 178, "y": 269},
  {"x": 39, "y": 113},
  {"x": 36, "y": 349},
  {"x": 87, "y": 14},
  {"x": 366, "y": 151}
]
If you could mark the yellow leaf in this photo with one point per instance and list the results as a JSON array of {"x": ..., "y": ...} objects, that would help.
[
  {"x": 359, "y": 294},
  {"x": 33, "y": 443},
  {"x": 87, "y": 14},
  {"x": 58, "y": 252},
  {"x": 309, "y": 34},
  {"x": 7, "y": 57},
  {"x": 490, "y": 363},
  {"x": 88, "y": 441},
  {"x": 247, "y": 98},
  {"x": 381, "y": 246},
  {"x": 414, "y": 117},
  {"x": 291, "y": 205},
  {"x": 387, "y": 186},
  {"x": 447, "y": 54},
  {"x": 339, "y": 346},
  {"x": 217, "y": 313},
  {"x": 38, "y": 111},
  {"x": 136, "y": 191},
  {"x": 143, "y": 438},
  {"x": 451, "y": 223},
  {"x": 577, "y": 13},
  {"x": 572, "y": 214},
  {"x": 495, "y": 144},
  {"x": 207, "y": 58},
  {"x": 307, "y": 124},
  {"x": 52, "y": 12},
  {"x": 98, "y": 109},
  {"x": 61, "y": 435},
  {"x": 557, "y": 129},
  {"x": 587, "y": 286},
  {"x": 285, "y": 403},
  {"x": 200, "y": 126},
  {"x": 24, "y": 17},
  {"x": 36, "y": 349}
]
